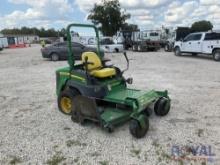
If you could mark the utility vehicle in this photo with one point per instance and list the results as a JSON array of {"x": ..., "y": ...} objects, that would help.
[{"x": 199, "y": 43}]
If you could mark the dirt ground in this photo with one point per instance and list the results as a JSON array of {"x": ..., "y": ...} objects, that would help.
[{"x": 33, "y": 131}]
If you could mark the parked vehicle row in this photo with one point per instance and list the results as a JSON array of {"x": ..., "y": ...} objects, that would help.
[
  {"x": 193, "y": 43},
  {"x": 139, "y": 40},
  {"x": 106, "y": 43},
  {"x": 59, "y": 51}
]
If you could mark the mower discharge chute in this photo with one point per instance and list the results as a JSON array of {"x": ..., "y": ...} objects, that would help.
[{"x": 97, "y": 92}]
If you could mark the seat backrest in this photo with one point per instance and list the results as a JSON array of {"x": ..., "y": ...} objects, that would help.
[{"x": 93, "y": 58}]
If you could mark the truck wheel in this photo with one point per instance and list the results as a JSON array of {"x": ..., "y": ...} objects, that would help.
[
  {"x": 177, "y": 51},
  {"x": 116, "y": 50},
  {"x": 194, "y": 54},
  {"x": 216, "y": 55},
  {"x": 136, "y": 129},
  {"x": 139, "y": 48},
  {"x": 134, "y": 48},
  {"x": 65, "y": 101},
  {"x": 166, "y": 48},
  {"x": 54, "y": 57},
  {"x": 162, "y": 106}
]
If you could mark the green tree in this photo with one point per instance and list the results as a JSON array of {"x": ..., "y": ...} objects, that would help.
[
  {"x": 34, "y": 31},
  {"x": 108, "y": 17},
  {"x": 201, "y": 26},
  {"x": 129, "y": 27},
  {"x": 63, "y": 32}
]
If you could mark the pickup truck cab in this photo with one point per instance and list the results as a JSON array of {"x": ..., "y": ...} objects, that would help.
[{"x": 199, "y": 43}]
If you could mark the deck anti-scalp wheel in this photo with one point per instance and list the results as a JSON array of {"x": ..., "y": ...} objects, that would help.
[
  {"x": 139, "y": 129},
  {"x": 162, "y": 106}
]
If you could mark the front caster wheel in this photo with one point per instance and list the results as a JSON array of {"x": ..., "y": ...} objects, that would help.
[
  {"x": 162, "y": 106},
  {"x": 139, "y": 128},
  {"x": 110, "y": 129}
]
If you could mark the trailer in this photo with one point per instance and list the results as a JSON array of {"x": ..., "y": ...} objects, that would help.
[{"x": 3, "y": 42}]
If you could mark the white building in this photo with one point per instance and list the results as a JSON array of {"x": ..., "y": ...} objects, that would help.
[
  {"x": 3, "y": 41},
  {"x": 22, "y": 39}
]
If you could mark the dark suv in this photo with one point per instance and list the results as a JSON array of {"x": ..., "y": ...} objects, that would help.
[{"x": 59, "y": 51}]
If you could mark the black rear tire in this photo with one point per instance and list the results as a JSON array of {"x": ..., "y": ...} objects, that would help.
[
  {"x": 136, "y": 130},
  {"x": 177, "y": 51},
  {"x": 216, "y": 55},
  {"x": 194, "y": 54},
  {"x": 69, "y": 95},
  {"x": 162, "y": 106}
]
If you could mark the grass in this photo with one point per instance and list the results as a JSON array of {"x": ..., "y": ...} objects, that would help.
[
  {"x": 71, "y": 143},
  {"x": 56, "y": 159},
  {"x": 135, "y": 151},
  {"x": 162, "y": 155},
  {"x": 95, "y": 154},
  {"x": 155, "y": 143},
  {"x": 200, "y": 132},
  {"x": 15, "y": 160},
  {"x": 203, "y": 163},
  {"x": 76, "y": 160},
  {"x": 55, "y": 146},
  {"x": 104, "y": 162},
  {"x": 67, "y": 128}
]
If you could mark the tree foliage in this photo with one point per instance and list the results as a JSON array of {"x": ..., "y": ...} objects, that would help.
[
  {"x": 108, "y": 17},
  {"x": 35, "y": 31},
  {"x": 201, "y": 26},
  {"x": 129, "y": 27}
]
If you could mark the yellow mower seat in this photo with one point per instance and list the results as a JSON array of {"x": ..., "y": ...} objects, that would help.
[{"x": 96, "y": 69}]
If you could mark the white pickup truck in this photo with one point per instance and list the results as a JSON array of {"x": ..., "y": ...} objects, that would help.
[
  {"x": 199, "y": 43},
  {"x": 108, "y": 45}
]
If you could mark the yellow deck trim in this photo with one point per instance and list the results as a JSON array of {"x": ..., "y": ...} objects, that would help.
[
  {"x": 64, "y": 74},
  {"x": 77, "y": 77},
  {"x": 72, "y": 76}
]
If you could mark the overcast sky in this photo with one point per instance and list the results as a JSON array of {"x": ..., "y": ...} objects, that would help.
[{"x": 147, "y": 14}]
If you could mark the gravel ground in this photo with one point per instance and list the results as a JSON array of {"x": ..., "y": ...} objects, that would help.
[{"x": 33, "y": 131}]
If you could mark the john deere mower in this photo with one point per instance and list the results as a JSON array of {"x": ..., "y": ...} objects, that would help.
[{"x": 95, "y": 91}]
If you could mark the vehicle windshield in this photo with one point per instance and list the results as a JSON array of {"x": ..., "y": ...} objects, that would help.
[
  {"x": 154, "y": 34},
  {"x": 145, "y": 34},
  {"x": 106, "y": 41}
]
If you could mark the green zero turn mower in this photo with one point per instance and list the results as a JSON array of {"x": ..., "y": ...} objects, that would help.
[{"x": 97, "y": 92}]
